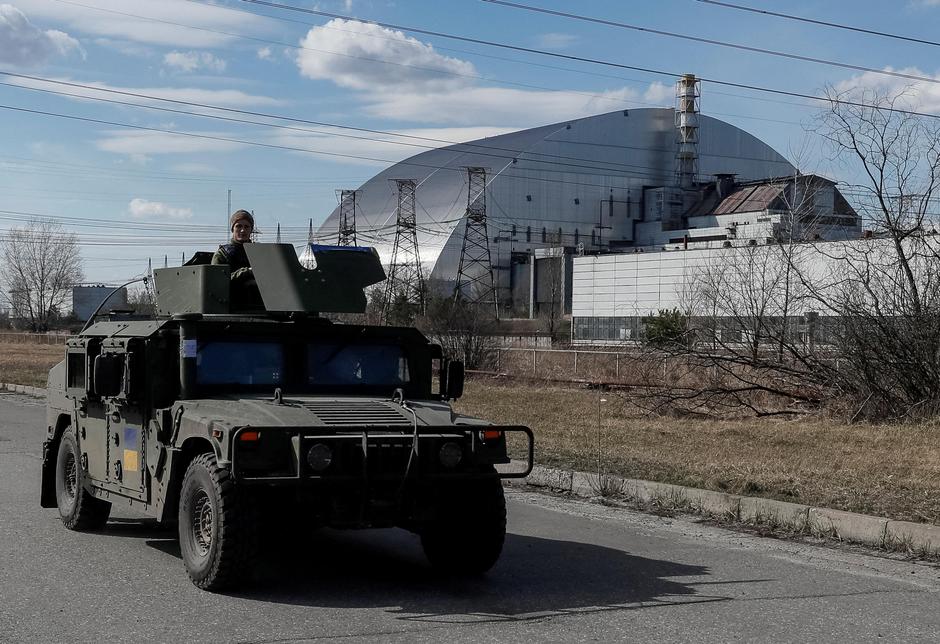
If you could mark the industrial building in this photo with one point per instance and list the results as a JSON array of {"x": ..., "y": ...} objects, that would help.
[{"x": 630, "y": 181}]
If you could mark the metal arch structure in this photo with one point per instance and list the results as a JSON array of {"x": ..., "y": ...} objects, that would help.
[
  {"x": 475, "y": 283},
  {"x": 405, "y": 279},
  {"x": 347, "y": 218}
]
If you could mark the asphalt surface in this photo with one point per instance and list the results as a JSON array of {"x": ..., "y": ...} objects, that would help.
[{"x": 571, "y": 571}]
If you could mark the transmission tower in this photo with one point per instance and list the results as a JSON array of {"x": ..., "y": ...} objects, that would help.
[
  {"x": 347, "y": 218},
  {"x": 405, "y": 280},
  {"x": 475, "y": 272}
]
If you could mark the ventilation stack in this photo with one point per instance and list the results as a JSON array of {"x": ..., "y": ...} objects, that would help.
[
  {"x": 687, "y": 110},
  {"x": 347, "y": 218},
  {"x": 475, "y": 281}
]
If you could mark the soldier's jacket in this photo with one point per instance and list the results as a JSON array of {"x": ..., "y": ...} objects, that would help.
[{"x": 233, "y": 254}]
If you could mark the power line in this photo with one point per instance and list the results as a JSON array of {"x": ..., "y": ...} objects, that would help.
[
  {"x": 776, "y": 14},
  {"x": 707, "y": 41},
  {"x": 597, "y": 61}
]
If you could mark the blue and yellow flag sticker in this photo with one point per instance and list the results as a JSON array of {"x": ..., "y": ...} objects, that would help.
[{"x": 131, "y": 456}]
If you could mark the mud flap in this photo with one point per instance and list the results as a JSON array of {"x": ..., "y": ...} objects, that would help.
[{"x": 47, "y": 474}]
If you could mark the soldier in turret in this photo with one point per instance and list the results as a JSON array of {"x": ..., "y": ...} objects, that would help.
[
  {"x": 245, "y": 293},
  {"x": 241, "y": 225}
]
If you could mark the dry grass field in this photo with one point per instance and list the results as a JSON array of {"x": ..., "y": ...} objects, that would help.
[
  {"x": 28, "y": 364},
  {"x": 887, "y": 470}
]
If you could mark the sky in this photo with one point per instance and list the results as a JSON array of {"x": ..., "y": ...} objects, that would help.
[{"x": 137, "y": 183}]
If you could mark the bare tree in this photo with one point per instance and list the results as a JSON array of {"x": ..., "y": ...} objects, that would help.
[
  {"x": 41, "y": 264},
  {"x": 886, "y": 289}
]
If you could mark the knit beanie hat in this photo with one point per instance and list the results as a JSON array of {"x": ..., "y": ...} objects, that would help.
[{"x": 240, "y": 215}]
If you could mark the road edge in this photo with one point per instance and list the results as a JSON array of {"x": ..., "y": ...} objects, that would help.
[{"x": 919, "y": 539}]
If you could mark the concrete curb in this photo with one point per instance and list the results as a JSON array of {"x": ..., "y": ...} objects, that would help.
[
  {"x": 38, "y": 392},
  {"x": 915, "y": 538}
]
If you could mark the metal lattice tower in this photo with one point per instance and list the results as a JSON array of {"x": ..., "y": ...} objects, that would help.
[
  {"x": 475, "y": 272},
  {"x": 347, "y": 218},
  {"x": 405, "y": 280},
  {"x": 687, "y": 110}
]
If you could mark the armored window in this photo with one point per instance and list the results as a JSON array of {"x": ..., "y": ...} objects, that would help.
[
  {"x": 240, "y": 363},
  {"x": 356, "y": 364},
  {"x": 75, "y": 370}
]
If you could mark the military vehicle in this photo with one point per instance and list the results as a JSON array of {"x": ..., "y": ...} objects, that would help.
[{"x": 228, "y": 412}]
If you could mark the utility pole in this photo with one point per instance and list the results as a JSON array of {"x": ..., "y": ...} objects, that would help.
[
  {"x": 347, "y": 218},
  {"x": 475, "y": 272},
  {"x": 277, "y": 238},
  {"x": 228, "y": 214},
  {"x": 405, "y": 280}
]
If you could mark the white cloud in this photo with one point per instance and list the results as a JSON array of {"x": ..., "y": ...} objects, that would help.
[
  {"x": 143, "y": 209},
  {"x": 220, "y": 97},
  {"x": 129, "y": 26},
  {"x": 345, "y": 52},
  {"x": 143, "y": 143},
  {"x": 188, "y": 61},
  {"x": 660, "y": 94},
  {"x": 264, "y": 53},
  {"x": 507, "y": 107},
  {"x": 22, "y": 43},
  {"x": 920, "y": 95},
  {"x": 555, "y": 40}
]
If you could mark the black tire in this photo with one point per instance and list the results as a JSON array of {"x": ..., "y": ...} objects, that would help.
[
  {"x": 78, "y": 509},
  {"x": 216, "y": 531},
  {"x": 467, "y": 534}
]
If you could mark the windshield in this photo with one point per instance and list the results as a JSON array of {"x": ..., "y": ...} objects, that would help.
[
  {"x": 306, "y": 366},
  {"x": 356, "y": 364},
  {"x": 240, "y": 363}
]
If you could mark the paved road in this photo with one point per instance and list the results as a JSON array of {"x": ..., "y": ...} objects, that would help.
[{"x": 571, "y": 571}]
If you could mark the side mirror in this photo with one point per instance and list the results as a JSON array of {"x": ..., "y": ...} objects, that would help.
[
  {"x": 455, "y": 378},
  {"x": 109, "y": 372}
]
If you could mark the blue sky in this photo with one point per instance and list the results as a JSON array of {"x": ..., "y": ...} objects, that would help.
[{"x": 131, "y": 194}]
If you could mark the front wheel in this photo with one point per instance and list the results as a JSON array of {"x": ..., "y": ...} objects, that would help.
[
  {"x": 467, "y": 534},
  {"x": 215, "y": 528},
  {"x": 78, "y": 509}
]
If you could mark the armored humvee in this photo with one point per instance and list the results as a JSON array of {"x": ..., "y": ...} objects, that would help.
[{"x": 227, "y": 413}]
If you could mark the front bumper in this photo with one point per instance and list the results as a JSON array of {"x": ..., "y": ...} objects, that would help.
[{"x": 377, "y": 454}]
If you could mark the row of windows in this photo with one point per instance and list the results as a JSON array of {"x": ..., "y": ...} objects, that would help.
[{"x": 560, "y": 235}]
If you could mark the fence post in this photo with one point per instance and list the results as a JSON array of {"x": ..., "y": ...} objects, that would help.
[
  {"x": 534, "y": 362},
  {"x": 617, "y": 365},
  {"x": 497, "y": 359},
  {"x": 575, "y": 363}
]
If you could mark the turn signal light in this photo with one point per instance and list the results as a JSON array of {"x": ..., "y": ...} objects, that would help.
[
  {"x": 492, "y": 434},
  {"x": 249, "y": 436}
]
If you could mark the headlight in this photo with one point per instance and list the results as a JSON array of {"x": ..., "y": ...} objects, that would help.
[
  {"x": 450, "y": 454},
  {"x": 319, "y": 456}
]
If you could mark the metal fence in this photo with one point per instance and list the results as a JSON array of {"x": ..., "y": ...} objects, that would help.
[
  {"x": 33, "y": 338},
  {"x": 580, "y": 365}
]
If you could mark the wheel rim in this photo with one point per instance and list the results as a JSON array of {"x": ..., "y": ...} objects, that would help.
[
  {"x": 70, "y": 476},
  {"x": 202, "y": 523}
]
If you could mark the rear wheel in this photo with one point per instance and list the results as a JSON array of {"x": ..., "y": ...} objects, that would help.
[
  {"x": 216, "y": 532},
  {"x": 78, "y": 509},
  {"x": 467, "y": 534}
]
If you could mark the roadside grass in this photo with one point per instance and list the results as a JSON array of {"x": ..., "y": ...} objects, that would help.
[
  {"x": 884, "y": 470},
  {"x": 28, "y": 364}
]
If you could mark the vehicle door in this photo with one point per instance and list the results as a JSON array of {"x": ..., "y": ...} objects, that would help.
[
  {"x": 91, "y": 423},
  {"x": 125, "y": 418}
]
